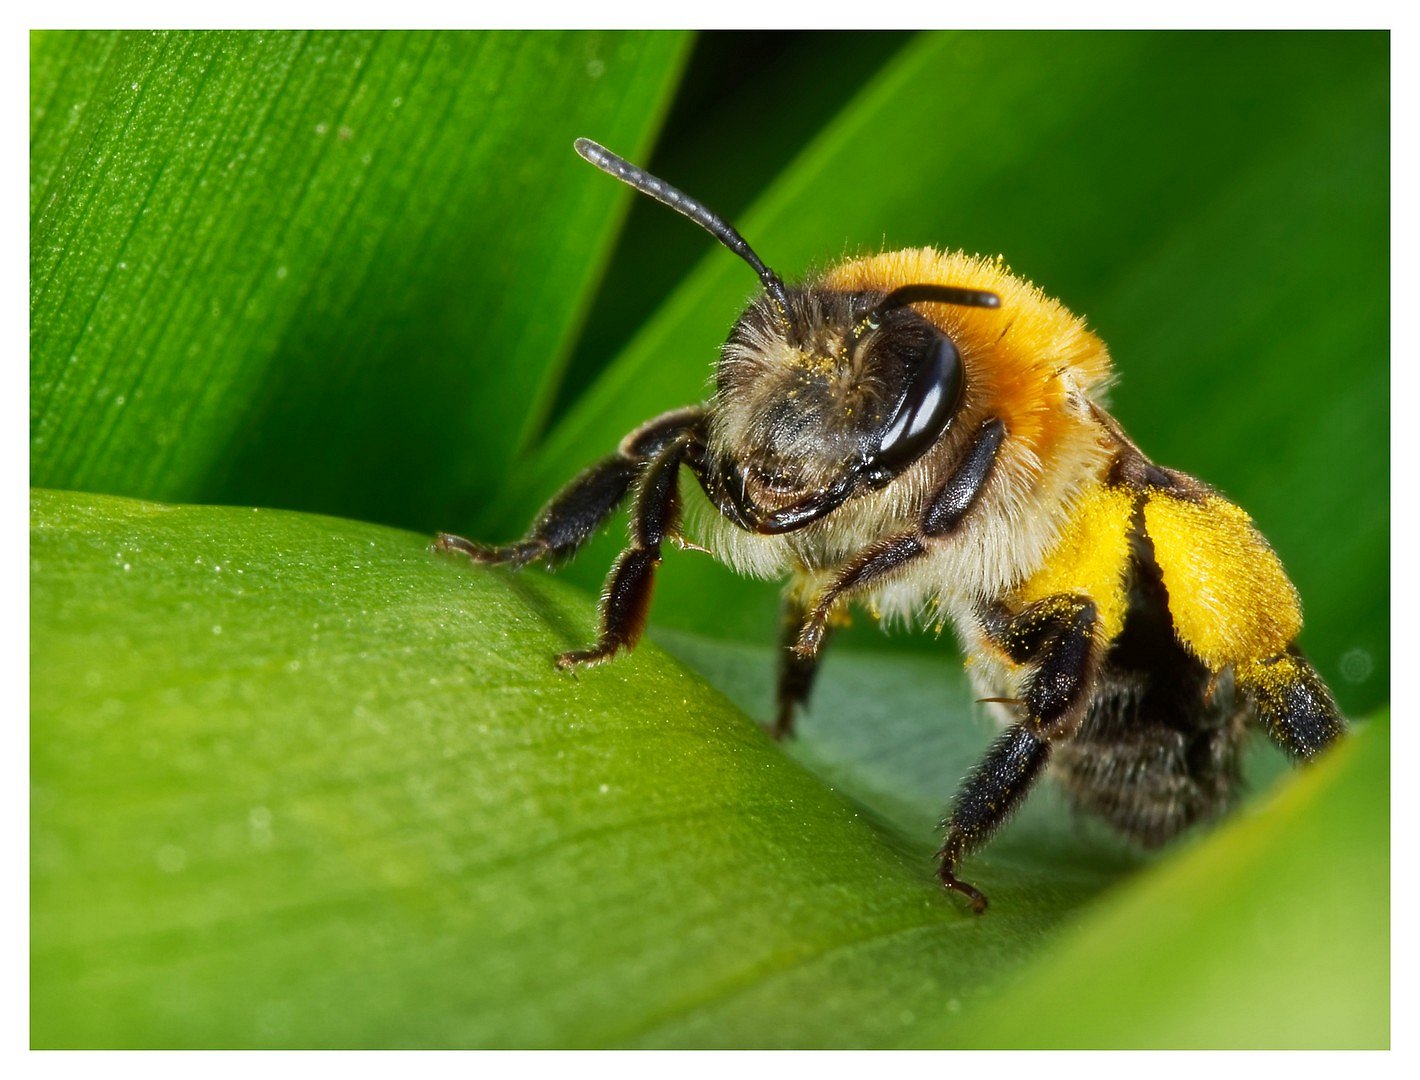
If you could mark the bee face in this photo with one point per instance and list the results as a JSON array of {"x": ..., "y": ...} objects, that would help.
[{"x": 834, "y": 396}]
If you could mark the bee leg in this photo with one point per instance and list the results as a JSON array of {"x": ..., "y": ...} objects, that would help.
[
  {"x": 577, "y": 511},
  {"x": 565, "y": 524},
  {"x": 989, "y": 795},
  {"x": 1056, "y": 636},
  {"x": 796, "y": 672},
  {"x": 869, "y": 566},
  {"x": 945, "y": 512},
  {"x": 627, "y": 596},
  {"x": 954, "y": 500},
  {"x": 1293, "y": 703}
]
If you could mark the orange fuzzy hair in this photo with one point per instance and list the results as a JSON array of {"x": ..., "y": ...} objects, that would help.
[{"x": 1025, "y": 357}]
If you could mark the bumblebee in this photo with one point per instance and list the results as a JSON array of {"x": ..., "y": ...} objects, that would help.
[{"x": 923, "y": 432}]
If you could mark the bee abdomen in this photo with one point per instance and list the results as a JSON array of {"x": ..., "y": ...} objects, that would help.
[{"x": 1153, "y": 781}]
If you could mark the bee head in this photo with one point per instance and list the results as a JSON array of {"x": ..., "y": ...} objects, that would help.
[
  {"x": 820, "y": 394},
  {"x": 838, "y": 395}
]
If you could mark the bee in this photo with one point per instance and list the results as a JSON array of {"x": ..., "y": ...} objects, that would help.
[{"x": 924, "y": 432}]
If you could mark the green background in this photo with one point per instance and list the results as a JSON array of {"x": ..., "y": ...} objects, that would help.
[{"x": 297, "y": 783}]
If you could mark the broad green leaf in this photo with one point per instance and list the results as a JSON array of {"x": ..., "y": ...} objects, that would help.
[
  {"x": 297, "y": 781},
  {"x": 1215, "y": 205},
  {"x": 332, "y": 271}
]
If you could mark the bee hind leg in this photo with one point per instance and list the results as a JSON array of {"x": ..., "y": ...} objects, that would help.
[
  {"x": 1057, "y": 636},
  {"x": 1293, "y": 703}
]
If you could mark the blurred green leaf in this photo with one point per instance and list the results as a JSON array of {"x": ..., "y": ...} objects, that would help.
[
  {"x": 298, "y": 782},
  {"x": 1215, "y": 204},
  {"x": 334, "y": 271}
]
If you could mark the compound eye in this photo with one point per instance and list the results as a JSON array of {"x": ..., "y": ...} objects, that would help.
[{"x": 927, "y": 407}]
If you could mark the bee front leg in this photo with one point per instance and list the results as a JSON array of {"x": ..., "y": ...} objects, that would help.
[
  {"x": 582, "y": 507},
  {"x": 1057, "y": 637},
  {"x": 626, "y": 600},
  {"x": 565, "y": 524}
]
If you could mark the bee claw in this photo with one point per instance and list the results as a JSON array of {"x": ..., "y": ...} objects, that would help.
[
  {"x": 811, "y": 636},
  {"x": 580, "y": 658},
  {"x": 782, "y": 728},
  {"x": 516, "y": 555},
  {"x": 952, "y": 883},
  {"x": 975, "y": 896},
  {"x": 445, "y": 543},
  {"x": 689, "y": 545}
]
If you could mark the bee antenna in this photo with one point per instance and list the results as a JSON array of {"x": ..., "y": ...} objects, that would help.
[
  {"x": 916, "y": 294},
  {"x": 936, "y": 294},
  {"x": 682, "y": 203}
]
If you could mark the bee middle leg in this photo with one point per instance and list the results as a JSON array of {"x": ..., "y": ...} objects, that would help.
[
  {"x": 796, "y": 671},
  {"x": 943, "y": 515},
  {"x": 1056, "y": 636},
  {"x": 871, "y": 566}
]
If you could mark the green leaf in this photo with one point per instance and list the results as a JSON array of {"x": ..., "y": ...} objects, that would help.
[
  {"x": 298, "y": 782},
  {"x": 334, "y": 271},
  {"x": 1216, "y": 205}
]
